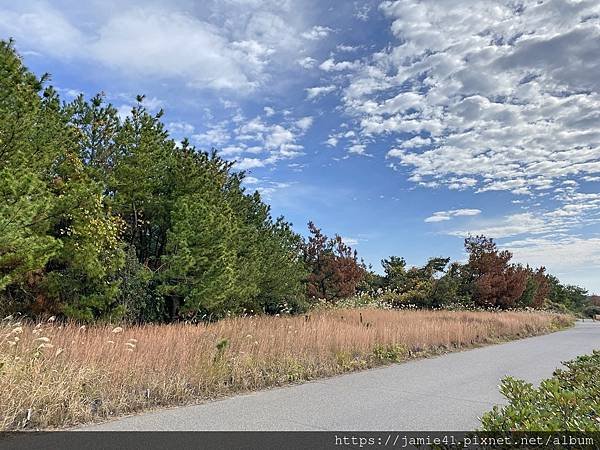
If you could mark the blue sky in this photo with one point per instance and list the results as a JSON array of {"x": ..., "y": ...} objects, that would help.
[{"x": 402, "y": 126}]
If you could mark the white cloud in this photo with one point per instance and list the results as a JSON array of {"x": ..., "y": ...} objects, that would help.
[
  {"x": 513, "y": 225},
  {"x": 346, "y": 48},
  {"x": 39, "y": 26},
  {"x": 332, "y": 141},
  {"x": 358, "y": 149},
  {"x": 173, "y": 45},
  {"x": 329, "y": 65},
  {"x": 504, "y": 94},
  {"x": 216, "y": 135},
  {"x": 307, "y": 62},
  {"x": 438, "y": 217},
  {"x": 68, "y": 93},
  {"x": 465, "y": 212},
  {"x": 352, "y": 242},
  {"x": 251, "y": 180},
  {"x": 271, "y": 187},
  {"x": 229, "y": 44},
  {"x": 441, "y": 216},
  {"x": 268, "y": 111},
  {"x": 180, "y": 128},
  {"x": 590, "y": 178},
  {"x": 304, "y": 123},
  {"x": 557, "y": 253},
  {"x": 314, "y": 92},
  {"x": 249, "y": 163},
  {"x": 362, "y": 11},
  {"x": 459, "y": 184},
  {"x": 316, "y": 33},
  {"x": 124, "y": 111},
  {"x": 275, "y": 141},
  {"x": 576, "y": 212}
]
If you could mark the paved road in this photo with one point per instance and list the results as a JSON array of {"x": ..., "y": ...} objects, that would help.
[{"x": 449, "y": 392}]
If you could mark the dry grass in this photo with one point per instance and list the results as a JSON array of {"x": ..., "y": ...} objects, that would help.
[{"x": 57, "y": 375}]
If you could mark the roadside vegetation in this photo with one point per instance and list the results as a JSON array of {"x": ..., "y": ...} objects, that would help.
[
  {"x": 137, "y": 272},
  {"x": 108, "y": 219},
  {"x": 58, "y": 374},
  {"x": 569, "y": 401}
]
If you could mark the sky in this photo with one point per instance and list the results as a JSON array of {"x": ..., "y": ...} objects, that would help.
[{"x": 404, "y": 126}]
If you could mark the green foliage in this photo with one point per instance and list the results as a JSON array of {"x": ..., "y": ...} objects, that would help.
[
  {"x": 569, "y": 401},
  {"x": 348, "y": 361},
  {"x": 201, "y": 265},
  {"x": 556, "y": 307},
  {"x": 137, "y": 293},
  {"x": 80, "y": 184},
  {"x": 59, "y": 242},
  {"x": 391, "y": 352},
  {"x": 572, "y": 297},
  {"x": 29, "y": 137},
  {"x": 81, "y": 276},
  {"x": 452, "y": 289},
  {"x": 418, "y": 286},
  {"x": 395, "y": 271},
  {"x": 105, "y": 218},
  {"x": 591, "y": 311},
  {"x": 372, "y": 281}
]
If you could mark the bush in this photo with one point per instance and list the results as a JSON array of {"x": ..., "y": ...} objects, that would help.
[
  {"x": 591, "y": 311},
  {"x": 570, "y": 400},
  {"x": 560, "y": 308},
  {"x": 391, "y": 352}
]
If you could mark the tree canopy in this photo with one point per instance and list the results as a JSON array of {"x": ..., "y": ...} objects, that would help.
[
  {"x": 96, "y": 209},
  {"x": 106, "y": 217}
]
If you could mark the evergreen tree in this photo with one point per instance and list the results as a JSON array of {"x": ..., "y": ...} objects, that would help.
[
  {"x": 29, "y": 139},
  {"x": 60, "y": 243}
]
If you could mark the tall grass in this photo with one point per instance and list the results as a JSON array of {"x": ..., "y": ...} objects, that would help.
[{"x": 54, "y": 375}]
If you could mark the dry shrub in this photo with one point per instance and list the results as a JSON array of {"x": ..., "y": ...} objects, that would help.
[{"x": 54, "y": 375}]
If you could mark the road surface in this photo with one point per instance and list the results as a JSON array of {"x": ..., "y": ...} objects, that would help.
[{"x": 449, "y": 392}]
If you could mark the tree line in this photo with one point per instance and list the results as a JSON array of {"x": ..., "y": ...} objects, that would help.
[
  {"x": 487, "y": 279},
  {"x": 103, "y": 218}
]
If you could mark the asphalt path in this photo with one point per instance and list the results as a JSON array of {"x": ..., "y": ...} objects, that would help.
[{"x": 449, "y": 392}]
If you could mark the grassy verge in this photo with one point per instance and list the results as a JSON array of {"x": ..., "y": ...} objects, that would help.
[{"x": 55, "y": 375}]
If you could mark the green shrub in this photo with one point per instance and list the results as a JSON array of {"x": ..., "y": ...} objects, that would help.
[
  {"x": 560, "y": 308},
  {"x": 570, "y": 400},
  {"x": 391, "y": 352},
  {"x": 591, "y": 311}
]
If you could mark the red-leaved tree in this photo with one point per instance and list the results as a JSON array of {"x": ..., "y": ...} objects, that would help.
[
  {"x": 335, "y": 270},
  {"x": 495, "y": 281}
]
